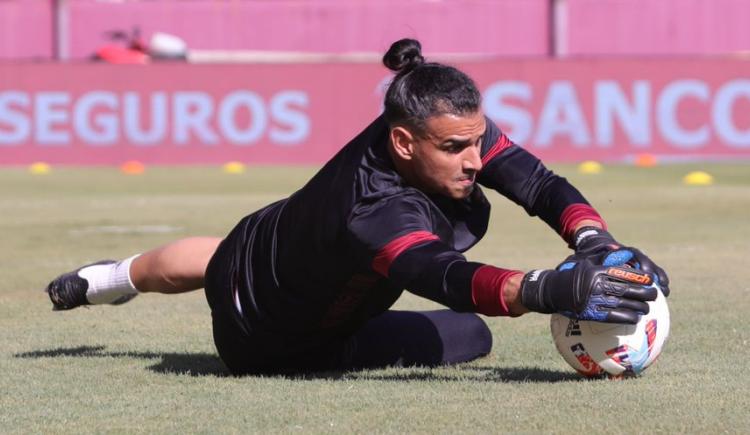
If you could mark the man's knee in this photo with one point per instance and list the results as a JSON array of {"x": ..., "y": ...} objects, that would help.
[
  {"x": 465, "y": 338},
  {"x": 481, "y": 336}
]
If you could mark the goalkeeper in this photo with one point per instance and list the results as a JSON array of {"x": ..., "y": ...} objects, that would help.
[{"x": 306, "y": 283}]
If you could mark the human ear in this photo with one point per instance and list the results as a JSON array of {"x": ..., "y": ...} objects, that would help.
[{"x": 402, "y": 142}]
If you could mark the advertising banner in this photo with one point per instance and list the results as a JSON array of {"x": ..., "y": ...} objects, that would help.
[{"x": 609, "y": 110}]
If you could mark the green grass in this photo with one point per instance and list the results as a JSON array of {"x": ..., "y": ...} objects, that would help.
[{"x": 150, "y": 366}]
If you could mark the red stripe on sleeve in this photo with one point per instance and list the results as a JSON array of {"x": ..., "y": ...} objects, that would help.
[
  {"x": 385, "y": 257},
  {"x": 487, "y": 290},
  {"x": 574, "y": 214},
  {"x": 502, "y": 143}
]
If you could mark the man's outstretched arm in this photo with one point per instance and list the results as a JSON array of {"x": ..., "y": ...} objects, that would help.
[
  {"x": 592, "y": 291},
  {"x": 521, "y": 177}
]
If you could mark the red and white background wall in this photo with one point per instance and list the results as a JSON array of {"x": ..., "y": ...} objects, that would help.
[{"x": 619, "y": 78}]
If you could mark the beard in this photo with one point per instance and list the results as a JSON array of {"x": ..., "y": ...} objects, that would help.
[{"x": 466, "y": 191}]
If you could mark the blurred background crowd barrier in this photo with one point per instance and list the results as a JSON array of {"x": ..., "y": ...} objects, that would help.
[{"x": 291, "y": 81}]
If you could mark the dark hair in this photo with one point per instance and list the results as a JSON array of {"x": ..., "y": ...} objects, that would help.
[{"x": 422, "y": 89}]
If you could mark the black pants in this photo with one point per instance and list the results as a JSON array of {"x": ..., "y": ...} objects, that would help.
[
  {"x": 427, "y": 338},
  {"x": 395, "y": 338}
]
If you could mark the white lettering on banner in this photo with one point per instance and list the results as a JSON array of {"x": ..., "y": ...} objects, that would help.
[
  {"x": 192, "y": 112},
  {"x": 296, "y": 123},
  {"x": 519, "y": 121},
  {"x": 132, "y": 115},
  {"x": 228, "y": 121},
  {"x": 50, "y": 114},
  {"x": 666, "y": 110},
  {"x": 722, "y": 113},
  {"x": 20, "y": 126},
  {"x": 103, "y": 118},
  {"x": 611, "y": 103},
  {"x": 105, "y": 132},
  {"x": 562, "y": 115},
  {"x": 636, "y": 111}
]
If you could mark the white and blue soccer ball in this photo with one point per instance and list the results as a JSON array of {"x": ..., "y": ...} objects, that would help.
[{"x": 596, "y": 349}]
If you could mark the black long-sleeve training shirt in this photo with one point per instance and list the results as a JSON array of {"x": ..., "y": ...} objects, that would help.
[{"x": 342, "y": 248}]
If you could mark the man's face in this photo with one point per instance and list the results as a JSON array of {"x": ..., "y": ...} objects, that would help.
[{"x": 446, "y": 157}]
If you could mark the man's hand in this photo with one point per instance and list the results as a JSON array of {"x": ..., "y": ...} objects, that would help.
[
  {"x": 589, "y": 292},
  {"x": 598, "y": 244}
]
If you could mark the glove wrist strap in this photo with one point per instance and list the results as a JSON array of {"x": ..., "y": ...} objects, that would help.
[
  {"x": 532, "y": 291},
  {"x": 584, "y": 233}
]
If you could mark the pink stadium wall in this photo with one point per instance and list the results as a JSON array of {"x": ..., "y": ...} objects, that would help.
[
  {"x": 26, "y": 30},
  {"x": 496, "y": 27},
  {"x": 657, "y": 27},
  {"x": 610, "y": 109},
  {"x": 512, "y": 27}
]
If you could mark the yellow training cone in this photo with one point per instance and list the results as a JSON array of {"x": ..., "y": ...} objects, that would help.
[
  {"x": 133, "y": 167},
  {"x": 39, "y": 168},
  {"x": 233, "y": 168},
  {"x": 698, "y": 178},
  {"x": 590, "y": 167}
]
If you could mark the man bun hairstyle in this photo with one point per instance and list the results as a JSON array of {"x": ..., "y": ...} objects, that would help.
[
  {"x": 404, "y": 55},
  {"x": 421, "y": 89}
]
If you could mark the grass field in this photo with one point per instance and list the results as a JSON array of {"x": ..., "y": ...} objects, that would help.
[{"x": 150, "y": 366}]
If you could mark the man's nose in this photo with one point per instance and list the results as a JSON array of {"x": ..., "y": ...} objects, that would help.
[{"x": 472, "y": 160}]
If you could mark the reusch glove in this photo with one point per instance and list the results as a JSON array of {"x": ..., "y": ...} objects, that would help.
[
  {"x": 589, "y": 292},
  {"x": 597, "y": 243}
]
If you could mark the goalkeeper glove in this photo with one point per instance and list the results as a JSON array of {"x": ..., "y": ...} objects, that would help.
[
  {"x": 589, "y": 292},
  {"x": 596, "y": 242}
]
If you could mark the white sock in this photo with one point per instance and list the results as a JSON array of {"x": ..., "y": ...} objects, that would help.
[{"x": 109, "y": 283}]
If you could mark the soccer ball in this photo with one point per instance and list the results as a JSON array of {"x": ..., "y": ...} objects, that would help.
[{"x": 597, "y": 349}]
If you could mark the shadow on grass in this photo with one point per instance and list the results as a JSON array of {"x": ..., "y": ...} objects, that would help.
[
  {"x": 205, "y": 364},
  {"x": 527, "y": 374},
  {"x": 193, "y": 364},
  {"x": 461, "y": 373}
]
